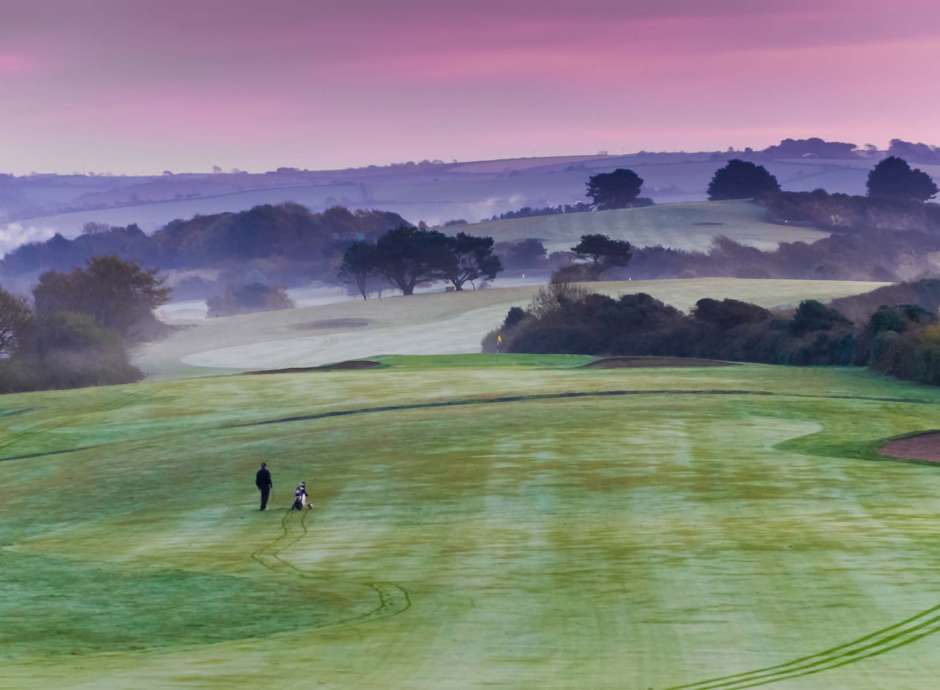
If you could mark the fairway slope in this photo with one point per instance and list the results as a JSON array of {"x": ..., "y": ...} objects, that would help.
[{"x": 430, "y": 323}]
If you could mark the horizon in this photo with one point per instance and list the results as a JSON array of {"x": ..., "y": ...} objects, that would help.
[
  {"x": 733, "y": 149},
  {"x": 134, "y": 89}
]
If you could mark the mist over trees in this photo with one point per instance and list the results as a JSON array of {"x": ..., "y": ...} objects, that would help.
[
  {"x": 80, "y": 328},
  {"x": 288, "y": 237},
  {"x": 247, "y": 299},
  {"x": 118, "y": 295},
  {"x": 741, "y": 180}
]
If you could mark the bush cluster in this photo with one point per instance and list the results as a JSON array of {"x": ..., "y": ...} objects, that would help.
[
  {"x": 902, "y": 340},
  {"x": 566, "y": 320}
]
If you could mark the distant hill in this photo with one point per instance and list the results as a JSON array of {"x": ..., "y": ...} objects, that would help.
[{"x": 40, "y": 206}]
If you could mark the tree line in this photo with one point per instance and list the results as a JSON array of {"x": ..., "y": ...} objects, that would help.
[
  {"x": 892, "y": 179},
  {"x": 408, "y": 257},
  {"x": 888, "y": 332},
  {"x": 77, "y": 330}
]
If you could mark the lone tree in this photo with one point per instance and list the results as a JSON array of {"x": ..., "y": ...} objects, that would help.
[
  {"x": 473, "y": 258},
  {"x": 408, "y": 257},
  {"x": 741, "y": 180},
  {"x": 617, "y": 189},
  {"x": 359, "y": 266},
  {"x": 605, "y": 253},
  {"x": 894, "y": 179}
]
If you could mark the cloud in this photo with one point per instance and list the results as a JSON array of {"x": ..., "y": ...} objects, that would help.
[{"x": 13, "y": 235}]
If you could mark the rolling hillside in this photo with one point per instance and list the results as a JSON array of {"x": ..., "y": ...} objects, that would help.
[
  {"x": 690, "y": 226},
  {"x": 38, "y": 207}
]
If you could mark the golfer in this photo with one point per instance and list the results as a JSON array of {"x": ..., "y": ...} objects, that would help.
[{"x": 264, "y": 484}]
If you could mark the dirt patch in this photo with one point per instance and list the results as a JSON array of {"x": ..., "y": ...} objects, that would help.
[
  {"x": 637, "y": 362},
  {"x": 920, "y": 447},
  {"x": 326, "y": 324},
  {"x": 708, "y": 223},
  {"x": 350, "y": 365}
]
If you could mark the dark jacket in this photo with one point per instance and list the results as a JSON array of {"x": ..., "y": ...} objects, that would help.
[{"x": 263, "y": 479}]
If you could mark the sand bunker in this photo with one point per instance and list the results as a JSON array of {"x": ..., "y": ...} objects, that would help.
[
  {"x": 635, "y": 362},
  {"x": 921, "y": 447},
  {"x": 349, "y": 365},
  {"x": 325, "y": 324}
]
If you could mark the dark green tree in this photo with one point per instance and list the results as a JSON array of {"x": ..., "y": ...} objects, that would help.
[
  {"x": 604, "y": 253},
  {"x": 117, "y": 294},
  {"x": 359, "y": 266},
  {"x": 473, "y": 259},
  {"x": 409, "y": 256},
  {"x": 16, "y": 319},
  {"x": 812, "y": 315},
  {"x": 617, "y": 189},
  {"x": 894, "y": 179},
  {"x": 741, "y": 180}
]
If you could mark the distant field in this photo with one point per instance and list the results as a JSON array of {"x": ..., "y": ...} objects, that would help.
[
  {"x": 433, "y": 323},
  {"x": 515, "y": 164},
  {"x": 479, "y": 522},
  {"x": 690, "y": 226}
]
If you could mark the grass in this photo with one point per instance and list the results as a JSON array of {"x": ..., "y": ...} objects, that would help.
[
  {"x": 438, "y": 323},
  {"x": 690, "y": 226},
  {"x": 699, "y": 523}
]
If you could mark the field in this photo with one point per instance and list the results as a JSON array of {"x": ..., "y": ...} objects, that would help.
[
  {"x": 478, "y": 521},
  {"x": 690, "y": 226},
  {"x": 435, "y": 323}
]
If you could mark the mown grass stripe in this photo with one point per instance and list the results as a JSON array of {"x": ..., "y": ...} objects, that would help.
[{"x": 820, "y": 658}]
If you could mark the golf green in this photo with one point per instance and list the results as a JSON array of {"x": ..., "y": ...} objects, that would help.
[{"x": 478, "y": 521}]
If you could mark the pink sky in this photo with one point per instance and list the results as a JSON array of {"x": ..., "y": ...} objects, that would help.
[{"x": 142, "y": 86}]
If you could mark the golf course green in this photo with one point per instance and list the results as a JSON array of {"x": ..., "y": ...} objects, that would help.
[{"x": 478, "y": 521}]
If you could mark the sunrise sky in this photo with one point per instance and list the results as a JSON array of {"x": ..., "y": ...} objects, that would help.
[{"x": 140, "y": 85}]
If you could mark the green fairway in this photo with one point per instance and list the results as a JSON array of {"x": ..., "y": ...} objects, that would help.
[
  {"x": 425, "y": 324},
  {"x": 479, "y": 521}
]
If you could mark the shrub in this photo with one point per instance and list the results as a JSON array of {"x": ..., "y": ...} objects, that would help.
[{"x": 246, "y": 299}]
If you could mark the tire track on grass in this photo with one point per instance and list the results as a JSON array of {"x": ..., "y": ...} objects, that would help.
[
  {"x": 882, "y": 641},
  {"x": 391, "y": 599}
]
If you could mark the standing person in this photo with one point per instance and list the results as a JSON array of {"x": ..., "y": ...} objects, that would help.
[{"x": 264, "y": 484}]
